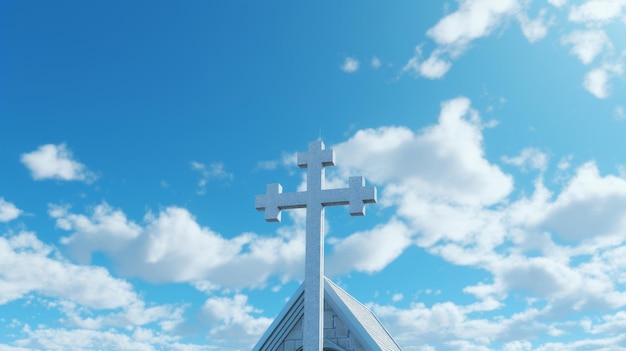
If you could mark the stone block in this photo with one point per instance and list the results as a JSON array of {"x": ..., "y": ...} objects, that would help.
[{"x": 290, "y": 345}]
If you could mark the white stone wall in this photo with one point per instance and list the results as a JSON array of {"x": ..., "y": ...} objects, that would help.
[{"x": 335, "y": 331}]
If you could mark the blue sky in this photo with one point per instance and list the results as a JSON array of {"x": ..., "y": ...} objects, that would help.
[{"x": 135, "y": 138}]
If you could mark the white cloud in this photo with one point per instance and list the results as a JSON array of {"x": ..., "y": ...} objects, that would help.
[
  {"x": 397, "y": 297},
  {"x": 215, "y": 170},
  {"x": 233, "y": 319},
  {"x": 55, "y": 162},
  {"x": 596, "y": 11},
  {"x": 444, "y": 161},
  {"x": 369, "y": 251},
  {"x": 98, "y": 311},
  {"x": 535, "y": 29},
  {"x": 350, "y": 65},
  {"x": 587, "y": 44},
  {"x": 134, "y": 314},
  {"x": 26, "y": 266},
  {"x": 139, "y": 339},
  {"x": 597, "y": 80},
  {"x": 449, "y": 325},
  {"x": 542, "y": 276},
  {"x": 596, "y": 344},
  {"x": 8, "y": 211},
  {"x": 432, "y": 68},
  {"x": 454, "y": 32},
  {"x": 172, "y": 247},
  {"x": 472, "y": 20},
  {"x": 590, "y": 205},
  {"x": 107, "y": 230}
]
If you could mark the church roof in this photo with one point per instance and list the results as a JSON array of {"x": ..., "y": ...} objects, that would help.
[{"x": 359, "y": 319}]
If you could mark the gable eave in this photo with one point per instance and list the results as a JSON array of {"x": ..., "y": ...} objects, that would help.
[{"x": 283, "y": 323}]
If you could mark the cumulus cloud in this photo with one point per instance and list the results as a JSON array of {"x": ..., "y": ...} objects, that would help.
[
  {"x": 448, "y": 325},
  {"x": 350, "y": 65},
  {"x": 28, "y": 265},
  {"x": 170, "y": 246},
  {"x": 55, "y": 162},
  {"x": 369, "y": 251},
  {"x": 97, "y": 309},
  {"x": 590, "y": 205},
  {"x": 587, "y": 44},
  {"x": 8, "y": 211},
  {"x": 108, "y": 230},
  {"x": 233, "y": 318},
  {"x": 443, "y": 161}
]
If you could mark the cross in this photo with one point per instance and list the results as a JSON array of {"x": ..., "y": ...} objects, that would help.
[{"x": 314, "y": 199}]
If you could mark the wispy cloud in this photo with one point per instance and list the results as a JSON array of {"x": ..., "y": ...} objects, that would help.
[
  {"x": 287, "y": 160},
  {"x": 212, "y": 171},
  {"x": 529, "y": 158},
  {"x": 455, "y": 31}
]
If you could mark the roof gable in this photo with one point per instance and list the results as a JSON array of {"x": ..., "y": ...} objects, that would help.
[{"x": 364, "y": 325}]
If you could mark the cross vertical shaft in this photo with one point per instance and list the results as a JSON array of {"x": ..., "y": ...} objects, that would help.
[
  {"x": 313, "y": 324},
  {"x": 314, "y": 199}
]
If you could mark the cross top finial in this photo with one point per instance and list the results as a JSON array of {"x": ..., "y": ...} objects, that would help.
[
  {"x": 314, "y": 199},
  {"x": 316, "y": 153},
  {"x": 314, "y": 160}
]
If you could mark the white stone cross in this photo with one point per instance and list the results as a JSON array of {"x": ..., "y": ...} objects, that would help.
[{"x": 314, "y": 199}]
